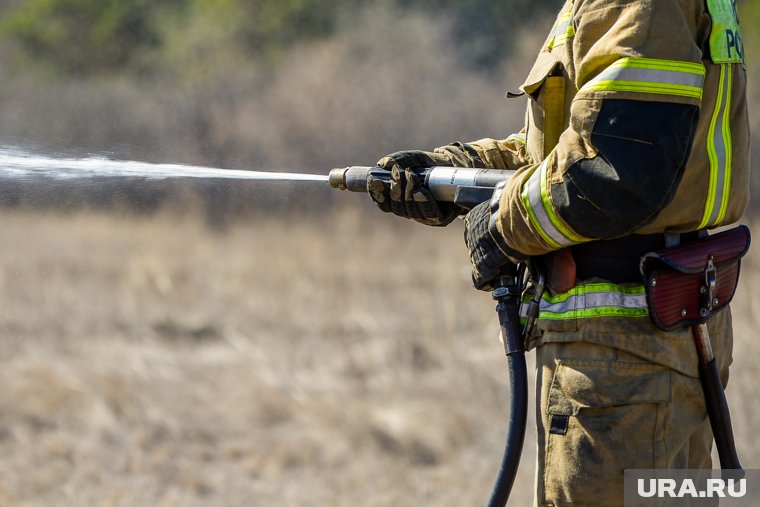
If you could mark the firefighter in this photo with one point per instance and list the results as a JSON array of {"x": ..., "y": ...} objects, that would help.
[{"x": 636, "y": 138}]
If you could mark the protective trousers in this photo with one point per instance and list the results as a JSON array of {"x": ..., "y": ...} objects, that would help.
[{"x": 601, "y": 410}]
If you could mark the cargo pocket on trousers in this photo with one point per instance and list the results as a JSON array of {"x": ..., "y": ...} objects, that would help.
[{"x": 602, "y": 417}]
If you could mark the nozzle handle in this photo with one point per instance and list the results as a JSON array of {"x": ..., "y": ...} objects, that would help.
[{"x": 467, "y": 186}]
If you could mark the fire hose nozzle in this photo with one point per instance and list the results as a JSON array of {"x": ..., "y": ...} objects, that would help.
[
  {"x": 466, "y": 186},
  {"x": 353, "y": 178}
]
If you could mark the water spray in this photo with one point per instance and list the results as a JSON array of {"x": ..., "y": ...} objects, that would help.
[
  {"x": 461, "y": 185},
  {"x": 20, "y": 165}
]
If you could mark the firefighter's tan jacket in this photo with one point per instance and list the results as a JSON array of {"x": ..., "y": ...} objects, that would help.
[
  {"x": 664, "y": 50},
  {"x": 673, "y": 51}
]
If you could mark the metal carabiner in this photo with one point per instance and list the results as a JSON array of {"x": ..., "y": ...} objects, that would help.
[
  {"x": 534, "y": 305},
  {"x": 708, "y": 290}
]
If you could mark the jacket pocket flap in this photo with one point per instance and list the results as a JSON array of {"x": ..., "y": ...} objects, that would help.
[{"x": 541, "y": 70}]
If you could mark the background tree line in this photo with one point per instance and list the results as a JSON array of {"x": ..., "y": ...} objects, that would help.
[
  {"x": 300, "y": 85},
  {"x": 105, "y": 36}
]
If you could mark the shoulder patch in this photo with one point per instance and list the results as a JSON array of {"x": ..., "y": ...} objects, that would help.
[{"x": 725, "y": 41}]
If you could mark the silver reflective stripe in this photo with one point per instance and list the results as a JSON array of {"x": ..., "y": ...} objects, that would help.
[
  {"x": 650, "y": 76},
  {"x": 562, "y": 28},
  {"x": 596, "y": 300},
  {"x": 534, "y": 202}
]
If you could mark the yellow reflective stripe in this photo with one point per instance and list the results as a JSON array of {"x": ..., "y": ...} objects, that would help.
[
  {"x": 636, "y": 290},
  {"x": 637, "y": 87},
  {"x": 655, "y": 63},
  {"x": 553, "y": 217},
  {"x": 712, "y": 154},
  {"x": 520, "y": 138},
  {"x": 649, "y": 75},
  {"x": 719, "y": 153},
  {"x": 728, "y": 143},
  {"x": 593, "y": 313},
  {"x": 562, "y": 31},
  {"x": 531, "y": 205},
  {"x": 535, "y": 198},
  {"x": 595, "y": 300}
]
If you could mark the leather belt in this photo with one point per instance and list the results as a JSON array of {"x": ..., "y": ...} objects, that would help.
[{"x": 617, "y": 260}]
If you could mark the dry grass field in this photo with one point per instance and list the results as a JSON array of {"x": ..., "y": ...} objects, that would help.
[{"x": 340, "y": 360}]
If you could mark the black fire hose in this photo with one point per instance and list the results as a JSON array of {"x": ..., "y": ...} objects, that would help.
[{"x": 508, "y": 295}]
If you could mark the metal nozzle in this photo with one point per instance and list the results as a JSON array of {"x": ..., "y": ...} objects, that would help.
[
  {"x": 352, "y": 178},
  {"x": 337, "y": 178},
  {"x": 466, "y": 186}
]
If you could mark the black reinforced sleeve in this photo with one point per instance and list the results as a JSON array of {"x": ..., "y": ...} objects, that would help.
[{"x": 642, "y": 152}]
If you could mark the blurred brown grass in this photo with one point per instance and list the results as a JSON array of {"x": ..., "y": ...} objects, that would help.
[
  {"x": 327, "y": 362},
  {"x": 336, "y": 360}
]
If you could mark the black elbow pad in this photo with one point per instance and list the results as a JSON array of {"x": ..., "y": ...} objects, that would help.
[{"x": 642, "y": 152}]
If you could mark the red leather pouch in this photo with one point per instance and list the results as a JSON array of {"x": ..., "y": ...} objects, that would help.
[{"x": 687, "y": 284}]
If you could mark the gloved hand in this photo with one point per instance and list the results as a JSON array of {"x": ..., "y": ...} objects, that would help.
[
  {"x": 404, "y": 193},
  {"x": 488, "y": 248}
]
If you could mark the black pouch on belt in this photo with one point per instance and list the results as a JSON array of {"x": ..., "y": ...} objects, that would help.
[{"x": 687, "y": 284}]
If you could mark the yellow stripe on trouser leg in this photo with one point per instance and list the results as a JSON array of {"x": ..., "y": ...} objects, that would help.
[{"x": 595, "y": 300}]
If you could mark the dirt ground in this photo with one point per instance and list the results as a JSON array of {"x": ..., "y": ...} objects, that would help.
[{"x": 329, "y": 362}]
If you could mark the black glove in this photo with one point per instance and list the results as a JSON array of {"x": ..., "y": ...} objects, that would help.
[
  {"x": 403, "y": 192},
  {"x": 489, "y": 251}
]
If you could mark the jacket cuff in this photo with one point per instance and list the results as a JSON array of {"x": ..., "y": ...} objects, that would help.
[{"x": 493, "y": 228}]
